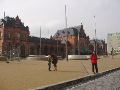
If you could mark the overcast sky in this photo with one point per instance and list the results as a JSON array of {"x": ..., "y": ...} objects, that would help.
[{"x": 49, "y": 14}]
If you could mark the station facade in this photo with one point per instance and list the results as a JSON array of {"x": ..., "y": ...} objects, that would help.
[{"x": 15, "y": 40}]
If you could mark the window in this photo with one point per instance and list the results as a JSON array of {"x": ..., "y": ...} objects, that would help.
[
  {"x": 68, "y": 32},
  {"x": 0, "y": 35},
  {"x": 63, "y": 32},
  {"x": 18, "y": 35},
  {"x": 5, "y": 36},
  {"x": 9, "y": 36}
]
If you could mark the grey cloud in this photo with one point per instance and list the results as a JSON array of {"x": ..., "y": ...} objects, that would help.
[{"x": 49, "y": 14}]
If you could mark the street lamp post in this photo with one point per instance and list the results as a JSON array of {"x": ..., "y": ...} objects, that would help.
[
  {"x": 95, "y": 38},
  {"x": 66, "y": 48},
  {"x": 66, "y": 34},
  {"x": 57, "y": 43},
  {"x": 57, "y": 48},
  {"x": 95, "y": 43},
  {"x": 78, "y": 43},
  {"x": 40, "y": 44}
]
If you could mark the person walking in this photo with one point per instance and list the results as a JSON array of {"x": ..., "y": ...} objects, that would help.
[
  {"x": 49, "y": 62},
  {"x": 54, "y": 62},
  {"x": 93, "y": 59}
]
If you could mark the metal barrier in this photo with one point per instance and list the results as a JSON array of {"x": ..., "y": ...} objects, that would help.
[{"x": 78, "y": 57}]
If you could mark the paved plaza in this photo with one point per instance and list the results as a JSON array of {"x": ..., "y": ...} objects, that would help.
[{"x": 30, "y": 74}]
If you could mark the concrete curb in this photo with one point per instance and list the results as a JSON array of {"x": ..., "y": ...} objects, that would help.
[{"x": 67, "y": 84}]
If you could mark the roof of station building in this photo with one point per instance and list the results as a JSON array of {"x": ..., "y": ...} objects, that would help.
[{"x": 71, "y": 31}]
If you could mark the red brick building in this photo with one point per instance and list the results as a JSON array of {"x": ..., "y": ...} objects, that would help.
[
  {"x": 48, "y": 46},
  {"x": 77, "y": 40},
  {"x": 15, "y": 40},
  {"x": 13, "y": 37},
  {"x": 100, "y": 45}
]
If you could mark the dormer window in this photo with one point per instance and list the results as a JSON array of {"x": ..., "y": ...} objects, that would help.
[
  {"x": 68, "y": 32},
  {"x": 63, "y": 32}
]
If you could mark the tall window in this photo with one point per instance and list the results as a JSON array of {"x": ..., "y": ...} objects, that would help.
[
  {"x": 0, "y": 35},
  {"x": 5, "y": 36},
  {"x": 18, "y": 35},
  {"x": 9, "y": 36}
]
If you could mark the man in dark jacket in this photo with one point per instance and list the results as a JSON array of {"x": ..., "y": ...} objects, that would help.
[
  {"x": 49, "y": 62},
  {"x": 54, "y": 62},
  {"x": 93, "y": 59}
]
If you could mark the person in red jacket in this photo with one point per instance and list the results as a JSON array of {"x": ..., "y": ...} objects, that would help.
[{"x": 93, "y": 59}]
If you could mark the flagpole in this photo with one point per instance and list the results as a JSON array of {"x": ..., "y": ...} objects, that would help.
[
  {"x": 40, "y": 44},
  {"x": 78, "y": 43},
  {"x": 95, "y": 38},
  {"x": 66, "y": 33},
  {"x": 65, "y": 16}
]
